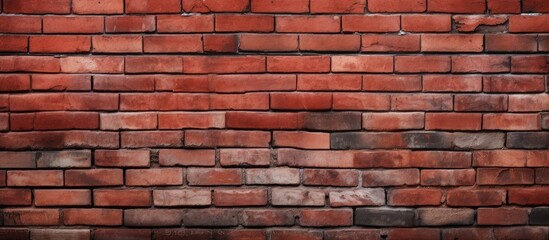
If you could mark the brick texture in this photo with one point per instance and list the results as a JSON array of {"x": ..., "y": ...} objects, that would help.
[{"x": 274, "y": 119}]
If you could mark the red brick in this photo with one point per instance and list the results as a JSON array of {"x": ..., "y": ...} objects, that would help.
[
  {"x": 17, "y": 160},
  {"x": 211, "y": 218},
  {"x": 262, "y": 217},
  {"x": 467, "y": 23},
  {"x": 149, "y": 6},
  {"x": 416, "y": 64},
  {"x": 444, "y": 83},
  {"x": 326, "y": 82},
  {"x": 529, "y": 196},
  {"x": 504, "y": 6},
  {"x": 94, "y": 217},
  {"x": 70, "y": 24},
  {"x": 260, "y": 120},
  {"x": 482, "y": 64},
  {"x": 453, "y": 121},
  {"x": 366, "y": 234},
  {"x": 240, "y": 197},
  {"x": 173, "y": 44},
  {"x": 146, "y": 64},
  {"x": 326, "y": 218},
  {"x": 375, "y": 159},
  {"x": 15, "y": 82},
  {"x": 154, "y": 177},
  {"x": 14, "y": 43},
  {"x": 15, "y": 197},
  {"x": 136, "y": 234},
  {"x": 511, "y": 43},
  {"x": 527, "y": 83},
  {"x": 37, "y": 6},
  {"x": 98, "y": 7},
  {"x": 357, "y": 198},
  {"x": 389, "y": 177},
  {"x": 445, "y": 216},
  {"x": 393, "y": 83},
  {"x": 46, "y": 101},
  {"x": 94, "y": 177},
  {"x": 329, "y": 43},
  {"x": 344, "y": 6},
  {"x": 511, "y": 122},
  {"x": 296, "y": 234},
  {"x": 163, "y": 101},
  {"x": 55, "y": 233},
  {"x": 49, "y": 198},
  {"x": 452, "y": 43},
  {"x": 208, "y": 177},
  {"x": 92, "y": 65},
  {"x": 269, "y": 43},
  {"x": 123, "y": 83},
  {"x": 20, "y": 24},
  {"x": 502, "y": 216},
  {"x": 244, "y": 23},
  {"x": 378, "y": 64},
  {"x": 191, "y": 120},
  {"x": 475, "y": 198},
  {"x": 397, "y": 6},
  {"x": 456, "y": 6},
  {"x": 223, "y": 43},
  {"x": 465, "y": 177},
  {"x": 308, "y": 24},
  {"x": 273, "y": 176},
  {"x": 297, "y": 197},
  {"x": 390, "y": 43},
  {"x": 122, "y": 158},
  {"x": 223, "y": 64},
  {"x": 245, "y": 157},
  {"x": 176, "y": 157},
  {"x": 322, "y": 159},
  {"x": 153, "y": 217},
  {"x": 392, "y": 121},
  {"x": 122, "y": 198},
  {"x": 184, "y": 24},
  {"x": 219, "y": 138},
  {"x": 3, "y": 178},
  {"x": 250, "y": 101},
  {"x": 528, "y": 103},
  {"x": 305, "y": 64},
  {"x": 301, "y": 101},
  {"x": 4, "y": 122},
  {"x": 59, "y": 140},
  {"x": 337, "y": 178},
  {"x": 360, "y": 101},
  {"x": 29, "y": 64},
  {"x": 522, "y": 24},
  {"x": 252, "y": 83},
  {"x": 305, "y": 140},
  {"x": 530, "y": 64},
  {"x": 535, "y": 6},
  {"x": 35, "y": 178},
  {"x": 182, "y": 197},
  {"x": 508, "y": 158},
  {"x": 507, "y": 233},
  {"x": 371, "y": 23},
  {"x": 429, "y": 102},
  {"x": 505, "y": 176},
  {"x": 492, "y": 103},
  {"x": 61, "y": 120},
  {"x": 215, "y": 6},
  {"x": 280, "y": 6},
  {"x": 415, "y": 197},
  {"x": 426, "y": 23},
  {"x": 130, "y": 24},
  {"x": 61, "y": 82},
  {"x": 31, "y": 217}
]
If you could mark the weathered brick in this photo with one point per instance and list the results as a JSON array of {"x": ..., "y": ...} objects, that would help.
[
  {"x": 384, "y": 217},
  {"x": 240, "y": 197},
  {"x": 354, "y": 198},
  {"x": 444, "y": 216},
  {"x": 182, "y": 197},
  {"x": 474, "y": 198},
  {"x": 384, "y": 178},
  {"x": 122, "y": 198},
  {"x": 273, "y": 176},
  {"x": 154, "y": 177},
  {"x": 297, "y": 197},
  {"x": 210, "y": 218},
  {"x": 341, "y": 178}
]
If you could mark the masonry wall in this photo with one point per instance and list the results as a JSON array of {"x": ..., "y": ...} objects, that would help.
[{"x": 274, "y": 119}]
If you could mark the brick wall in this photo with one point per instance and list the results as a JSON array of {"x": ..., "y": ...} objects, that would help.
[{"x": 274, "y": 119}]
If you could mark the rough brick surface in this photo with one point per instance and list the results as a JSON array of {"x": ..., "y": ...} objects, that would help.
[{"x": 274, "y": 119}]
